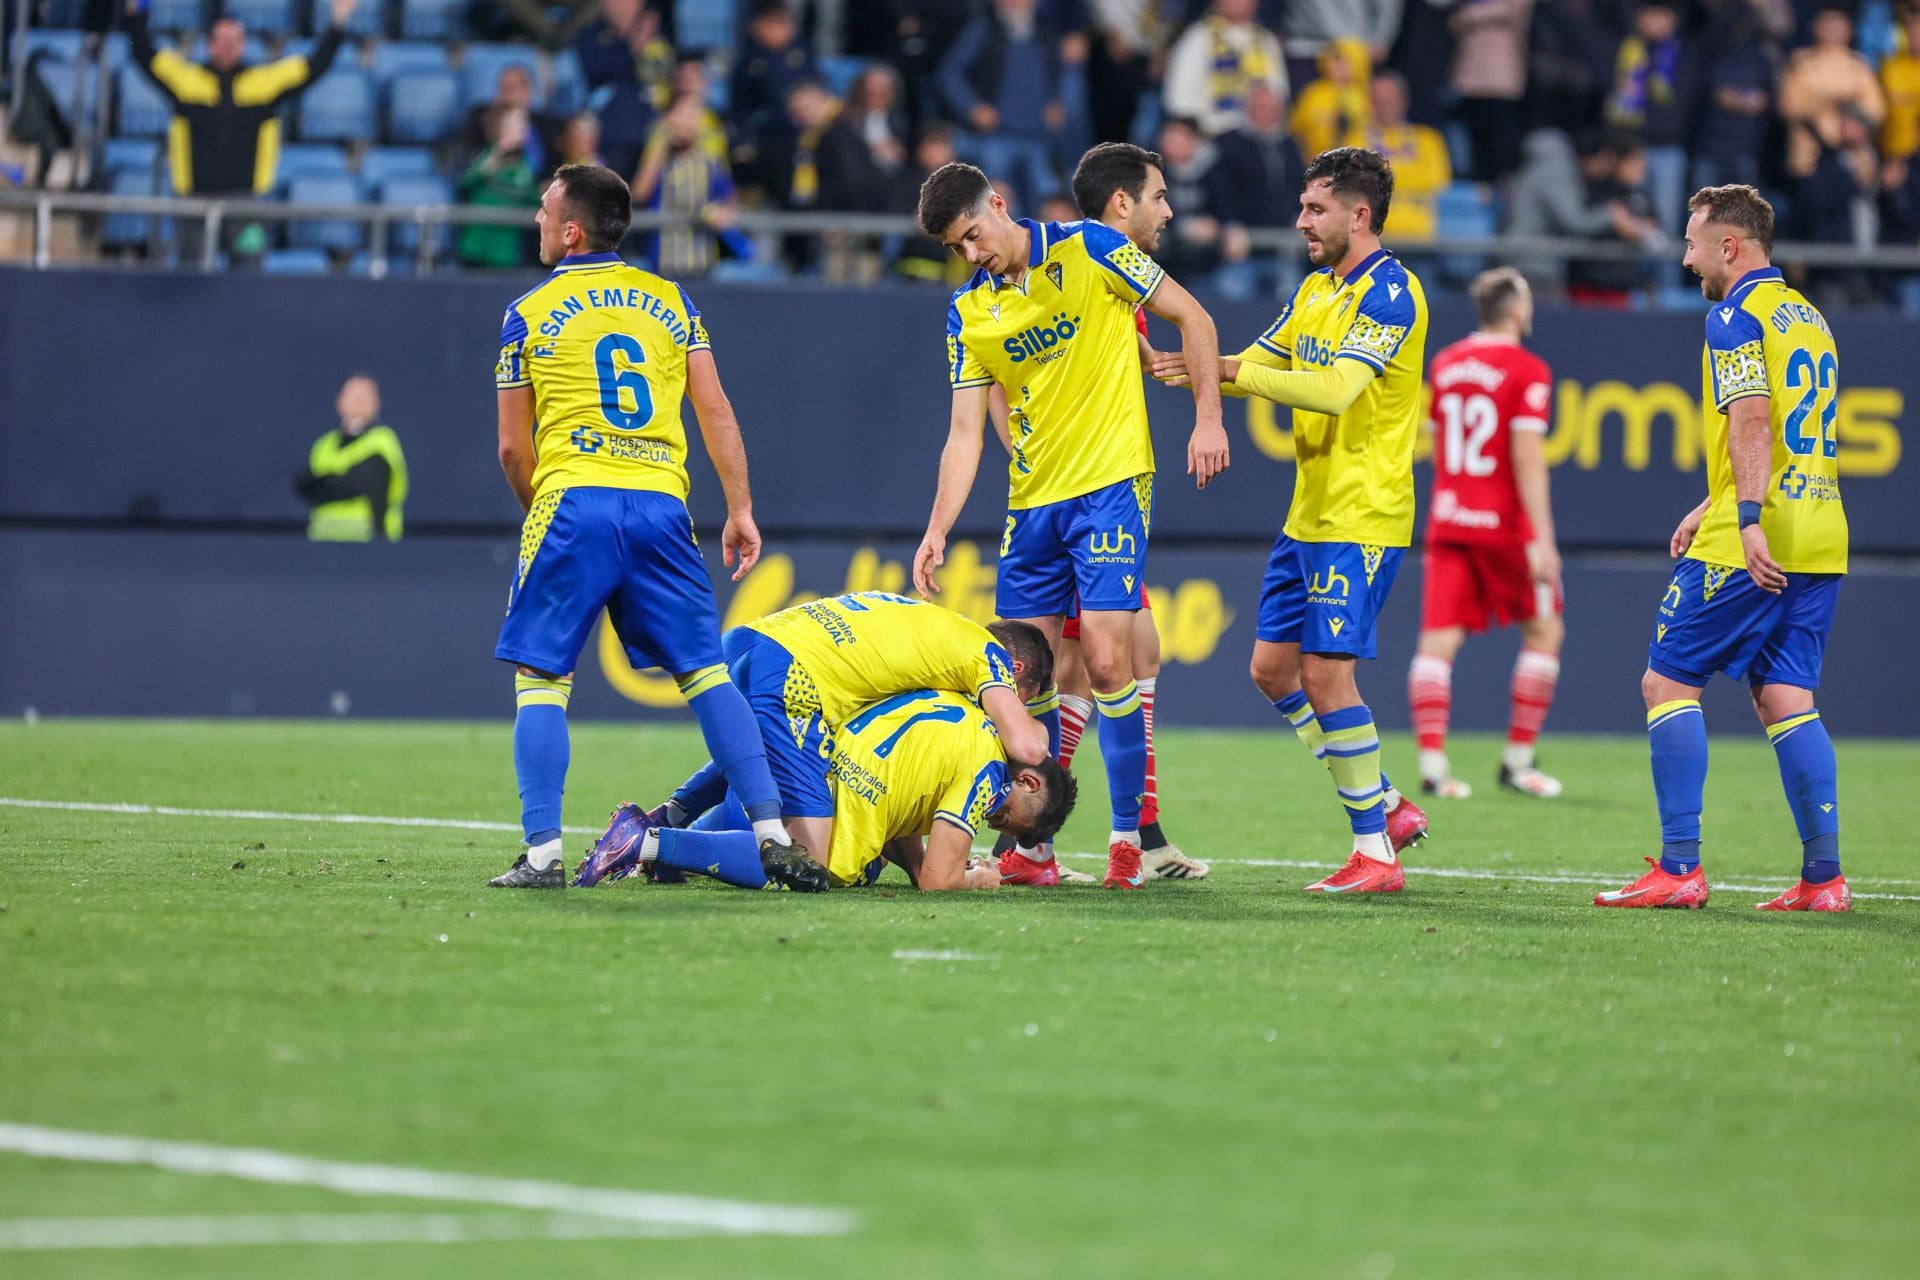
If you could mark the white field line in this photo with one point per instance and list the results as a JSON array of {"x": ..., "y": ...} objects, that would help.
[
  {"x": 936, "y": 955},
  {"x": 695, "y": 1213},
  {"x": 22, "y": 1234},
  {"x": 465, "y": 824}
]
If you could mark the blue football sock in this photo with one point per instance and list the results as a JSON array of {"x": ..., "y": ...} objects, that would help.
[
  {"x": 541, "y": 752},
  {"x": 729, "y": 856},
  {"x": 1123, "y": 747},
  {"x": 724, "y": 816},
  {"x": 700, "y": 793},
  {"x": 1352, "y": 752},
  {"x": 733, "y": 739},
  {"x": 1811, "y": 777},
  {"x": 1046, "y": 709},
  {"x": 1677, "y": 739}
]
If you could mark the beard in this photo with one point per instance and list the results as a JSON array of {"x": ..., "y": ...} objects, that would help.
[{"x": 1329, "y": 251}]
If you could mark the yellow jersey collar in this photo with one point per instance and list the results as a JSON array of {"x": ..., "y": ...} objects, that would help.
[
  {"x": 1036, "y": 254},
  {"x": 574, "y": 261},
  {"x": 1751, "y": 279},
  {"x": 1366, "y": 265}
]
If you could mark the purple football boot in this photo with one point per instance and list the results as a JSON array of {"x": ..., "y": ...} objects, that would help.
[{"x": 617, "y": 851}]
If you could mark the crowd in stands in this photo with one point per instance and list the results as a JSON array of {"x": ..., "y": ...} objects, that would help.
[{"x": 1585, "y": 119}]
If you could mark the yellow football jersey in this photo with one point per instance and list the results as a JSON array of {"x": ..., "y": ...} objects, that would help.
[
  {"x": 1354, "y": 473},
  {"x": 860, "y": 648},
  {"x": 604, "y": 346},
  {"x": 1768, "y": 340},
  {"x": 1063, "y": 345},
  {"x": 902, "y": 764}
]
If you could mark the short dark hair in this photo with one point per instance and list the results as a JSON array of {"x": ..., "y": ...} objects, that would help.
[
  {"x": 1494, "y": 293},
  {"x": 948, "y": 192},
  {"x": 1111, "y": 167},
  {"x": 1740, "y": 206},
  {"x": 598, "y": 199},
  {"x": 1027, "y": 645},
  {"x": 1063, "y": 790},
  {"x": 1358, "y": 176}
]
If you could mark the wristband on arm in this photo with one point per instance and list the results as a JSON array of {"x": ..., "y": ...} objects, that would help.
[{"x": 1749, "y": 513}]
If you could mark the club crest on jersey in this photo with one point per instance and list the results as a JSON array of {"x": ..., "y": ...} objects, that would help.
[
  {"x": 1716, "y": 578},
  {"x": 1371, "y": 557},
  {"x": 1042, "y": 340},
  {"x": 1055, "y": 274}
]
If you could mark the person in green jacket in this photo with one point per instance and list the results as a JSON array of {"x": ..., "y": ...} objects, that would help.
[
  {"x": 356, "y": 476},
  {"x": 502, "y": 176}
]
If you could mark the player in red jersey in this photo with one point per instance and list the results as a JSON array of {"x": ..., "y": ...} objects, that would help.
[
  {"x": 1490, "y": 557},
  {"x": 1123, "y": 186}
]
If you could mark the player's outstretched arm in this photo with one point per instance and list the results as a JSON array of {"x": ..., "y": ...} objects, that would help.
[
  {"x": 1750, "y": 447},
  {"x": 1530, "y": 477},
  {"x": 720, "y": 430},
  {"x": 1330, "y": 390},
  {"x": 1023, "y": 738},
  {"x": 959, "y": 461},
  {"x": 1207, "y": 452},
  {"x": 516, "y": 441},
  {"x": 945, "y": 865}
]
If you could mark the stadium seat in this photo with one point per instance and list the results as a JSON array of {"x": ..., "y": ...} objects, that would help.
[
  {"x": 62, "y": 13},
  {"x": 302, "y": 159},
  {"x": 390, "y": 57},
  {"x": 432, "y": 19},
  {"x": 705, "y": 24},
  {"x": 381, "y": 163},
  {"x": 129, "y": 155},
  {"x": 338, "y": 107},
  {"x": 144, "y": 110},
  {"x": 481, "y": 65},
  {"x": 296, "y": 262},
  {"x": 567, "y": 84},
  {"x": 325, "y": 233},
  {"x": 361, "y": 264},
  {"x": 265, "y": 17},
  {"x": 422, "y": 106},
  {"x": 63, "y": 45},
  {"x": 369, "y": 18},
  {"x": 117, "y": 51},
  {"x": 841, "y": 72},
  {"x": 1464, "y": 211},
  {"x": 411, "y": 190},
  {"x": 128, "y": 230},
  {"x": 177, "y": 15},
  {"x": 62, "y": 79}
]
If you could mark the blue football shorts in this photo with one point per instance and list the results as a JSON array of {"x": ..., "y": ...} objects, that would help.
[
  {"x": 1713, "y": 618},
  {"x": 1095, "y": 545},
  {"x": 787, "y": 708},
  {"x": 630, "y": 552},
  {"x": 1326, "y": 597}
]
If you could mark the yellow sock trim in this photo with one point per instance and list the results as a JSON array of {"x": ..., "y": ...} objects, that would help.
[
  {"x": 1045, "y": 702},
  {"x": 1666, "y": 709},
  {"x": 538, "y": 691},
  {"x": 1779, "y": 727},
  {"x": 1121, "y": 702},
  {"x": 695, "y": 683}
]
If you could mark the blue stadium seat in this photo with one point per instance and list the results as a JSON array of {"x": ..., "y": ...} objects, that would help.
[
  {"x": 432, "y": 19},
  {"x": 300, "y": 46},
  {"x": 481, "y": 65},
  {"x": 127, "y": 230},
  {"x": 361, "y": 264},
  {"x": 296, "y": 262},
  {"x": 410, "y": 191},
  {"x": 381, "y": 163},
  {"x": 301, "y": 159},
  {"x": 63, "y": 45},
  {"x": 117, "y": 50},
  {"x": 129, "y": 155},
  {"x": 325, "y": 233},
  {"x": 706, "y": 24},
  {"x": 144, "y": 110},
  {"x": 339, "y": 106},
  {"x": 266, "y": 17},
  {"x": 62, "y": 79},
  {"x": 62, "y": 13},
  {"x": 841, "y": 72},
  {"x": 1464, "y": 210},
  {"x": 369, "y": 18},
  {"x": 422, "y": 106},
  {"x": 390, "y": 57},
  {"x": 177, "y": 15},
  {"x": 567, "y": 84}
]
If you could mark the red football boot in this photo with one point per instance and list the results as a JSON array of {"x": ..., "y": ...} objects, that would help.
[
  {"x": 1016, "y": 868},
  {"x": 1364, "y": 875},
  {"x": 1123, "y": 866},
  {"x": 1406, "y": 825},
  {"x": 1659, "y": 888},
  {"x": 1831, "y": 896}
]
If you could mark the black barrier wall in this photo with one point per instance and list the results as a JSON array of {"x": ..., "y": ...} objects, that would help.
[{"x": 155, "y": 397}]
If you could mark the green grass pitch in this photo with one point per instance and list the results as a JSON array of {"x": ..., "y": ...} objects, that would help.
[{"x": 1483, "y": 1076}]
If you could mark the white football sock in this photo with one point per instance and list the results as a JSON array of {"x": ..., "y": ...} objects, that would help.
[
  {"x": 1517, "y": 756},
  {"x": 1375, "y": 846},
  {"x": 1435, "y": 765},
  {"x": 1125, "y": 837},
  {"x": 1392, "y": 798},
  {"x": 1035, "y": 853},
  {"x": 650, "y": 846},
  {"x": 771, "y": 829},
  {"x": 675, "y": 816},
  {"x": 542, "y": 856}
]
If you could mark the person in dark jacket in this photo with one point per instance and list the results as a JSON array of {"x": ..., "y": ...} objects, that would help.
[
  {"x": 1005, "y": 76},
  {"x": 627, "y": 53}
]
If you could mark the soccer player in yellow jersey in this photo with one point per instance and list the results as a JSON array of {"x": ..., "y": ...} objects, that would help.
[
  {"x": 593, "y": 365},
  {"x": 1048, "y": 315},
  {"x": 1764, "y": 556},
  {"x": 1346, "y": 356},
  {"x": 806, "y": 670},
  {"x": 910, "y": 779}
]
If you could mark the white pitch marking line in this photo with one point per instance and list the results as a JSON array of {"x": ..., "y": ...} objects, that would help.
[
  {"x": 936, "y": 955},
  {"x": 466, "y": 824},
  {"x": 727, "y": 1217},
  {"x": 24, "y": 1234}
]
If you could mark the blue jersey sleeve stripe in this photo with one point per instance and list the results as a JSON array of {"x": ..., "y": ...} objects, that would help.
[
  {"x": 1363, "y": 358},
  {"x": 1278, "y": 350},
  {"x": 944, "y": 815}
]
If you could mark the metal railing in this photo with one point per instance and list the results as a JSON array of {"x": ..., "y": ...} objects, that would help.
[{"x": 432, "y": 220}]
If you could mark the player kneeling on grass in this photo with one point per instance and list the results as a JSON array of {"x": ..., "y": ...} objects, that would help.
[{"x": 911, "y": 779}]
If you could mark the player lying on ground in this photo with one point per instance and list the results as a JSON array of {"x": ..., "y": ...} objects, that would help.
[
  {"x": 1491, "y": 554},
  {"x": 1048, "y": 316},
  {"x": 911, "y": 780},
  {"x": 594, "y": 363},
  {"x": 1345, "y": 355},
  {"x": 807, "y": 669},
  {"x": 1124, "y": 187},
  {"x": 1764, "y": 557}
]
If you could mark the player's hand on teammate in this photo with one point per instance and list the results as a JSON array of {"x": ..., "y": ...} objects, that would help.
[
  {"x": 931, "y": 555},
  {"x": 1207, "y": 452},
  {"x": 740, "y": 540},
  {"x": 1170, "y": 367},
  {"x": 1543, "y": 562},
  {"x": 1766, "y": 575},
  {"x": 1684, "y": 535}
]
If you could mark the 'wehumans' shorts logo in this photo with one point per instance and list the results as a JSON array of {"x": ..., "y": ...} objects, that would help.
[
  {"x": 1118, "y": 545},
  {"x": 1322, "y": 587}
]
